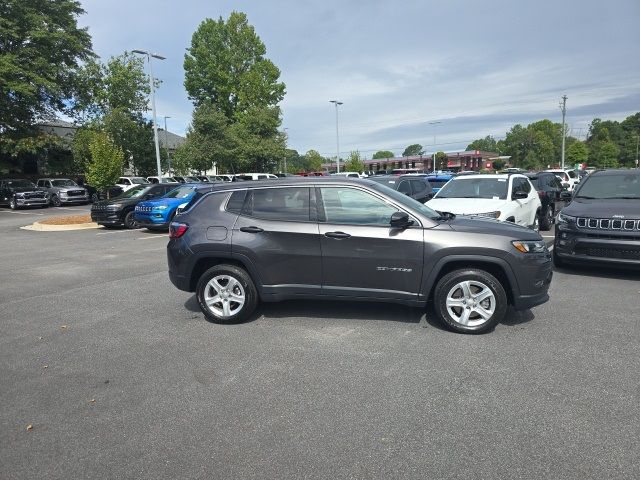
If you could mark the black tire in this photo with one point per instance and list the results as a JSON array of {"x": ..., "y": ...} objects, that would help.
[
  {"x": 546, "y": 219},
  {"x": 55, "y": 201},
  {"x": 536, "y": 223},
  {"x": 496, "y": 306},
  {"x": 12, "y": 204},
  {"x": 205, "y": 290},
  {"x": 95, "y": 198},
  {"x": 129, "y": 221}
]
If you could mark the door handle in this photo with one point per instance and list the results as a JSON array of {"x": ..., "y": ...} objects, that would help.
[
  {"x": 251, "y": 229},
  {"x": 337, "y": 235}
]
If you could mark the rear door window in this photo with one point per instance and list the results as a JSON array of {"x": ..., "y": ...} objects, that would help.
[
  {"x": 417, "y": 186},
  {"x": 284, "y": 204},
  {"x": 405, "y": 187}
]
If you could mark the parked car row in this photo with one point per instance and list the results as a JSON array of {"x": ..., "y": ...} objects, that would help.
[{"x": 22, "y": 193}]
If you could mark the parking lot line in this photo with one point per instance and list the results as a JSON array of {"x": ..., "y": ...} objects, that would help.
[
  {"x": 114, "y": 232},
  {"x": 21, "y": 213},
  {"x": 147, "y": 237}
]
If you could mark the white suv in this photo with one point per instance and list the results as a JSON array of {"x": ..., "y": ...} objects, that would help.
[
  {"x": 508, "y": 197},
  {"x": 127, "y": 183}
]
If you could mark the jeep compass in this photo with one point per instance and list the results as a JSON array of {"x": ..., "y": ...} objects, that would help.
[{"x": 328, "y": 238}]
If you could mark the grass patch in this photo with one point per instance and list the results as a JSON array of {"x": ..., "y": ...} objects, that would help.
[{"x": 69, "y": 220}]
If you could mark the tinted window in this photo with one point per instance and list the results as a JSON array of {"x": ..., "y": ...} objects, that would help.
[
  {"x": 180, "y": 192},
  {"x": 290, "y": 204},
  {"x": 610, "y": 186},
  {"x": 518, "y": 185},
  {"x": 404, "y": 187},
  {"x": 354, "y": 207},
  {"x": 64, "y": 183},
  {"x": 572, "y": 174},
  {"x": 19, "y": 183},
  {"x": 236, "y": 201},
  {"x": 418, "y": 186}
]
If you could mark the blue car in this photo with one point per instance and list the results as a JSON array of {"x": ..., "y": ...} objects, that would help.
[
  {"x": 157, "y": 214},
  {"x": 438, "y": 181}
]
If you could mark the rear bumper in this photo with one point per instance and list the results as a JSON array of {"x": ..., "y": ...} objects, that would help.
[
  {"x": 150, "y": 224},
  {"x": 181, "y": 282}
]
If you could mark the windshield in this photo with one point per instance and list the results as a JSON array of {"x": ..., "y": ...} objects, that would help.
[
  {"x": 180, "y": 192},
  {"x": 619, "y": 185},
  {"x": 64, "y": 183},
  {"x": 20, "y": 184},
  {"x": 495, "y": 188},
  {"x": 138, "y": 180},
  {"x": 135, "y": 192},
  {"x": 191, "y": 179},
  {"x": 409, "y": 202},
  {"x": 384, "y": 181}
]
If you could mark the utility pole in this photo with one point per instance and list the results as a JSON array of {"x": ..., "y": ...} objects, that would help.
[
  {"x": 435, "y": 124},
  {"x": 286, "y": 141},
  {"x": 563, "y": 107},
  {"x": 166, "y": 145},
  {"x": 336, "y": 103},
  {"x": 637, "y": 142}
]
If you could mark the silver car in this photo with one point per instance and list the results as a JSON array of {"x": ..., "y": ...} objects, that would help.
[{"x": 63, "y": 191}]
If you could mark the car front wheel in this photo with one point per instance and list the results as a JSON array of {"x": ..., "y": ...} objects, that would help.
[
  {"x": 56, "y": 201},
  {"x": 12, "y": 204},
  {"x": 130, "y": 221},
  {"x": 470, "y": 301},
  {"x": 546, "y": 219},
  {"x": 226, "y": 294}
]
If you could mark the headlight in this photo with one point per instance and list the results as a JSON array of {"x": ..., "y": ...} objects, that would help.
[
  {"x": 19, "y": 194},
  {"x": 495, "y": 214},
  {"x": 160, "y": 207},
  {"x": 530, "y": 247},
  {"x": 565, "y": 219},
  {"x": 114, "y": 207},
  {"x": 63, "y": 193}
]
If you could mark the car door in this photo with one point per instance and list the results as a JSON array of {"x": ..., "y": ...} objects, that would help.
[
  {"x": 362, "y": 256},
  {"x": 277, "y": 233}
]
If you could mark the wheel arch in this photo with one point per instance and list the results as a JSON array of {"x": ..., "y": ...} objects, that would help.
[
  {"x": 497, "y": 267},
  {"x": 206, "y": 262}
]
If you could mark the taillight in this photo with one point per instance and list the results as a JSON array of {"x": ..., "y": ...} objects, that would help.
[
  {"x": 542, "y": 193},
  {"x": 176, "y": 229}
]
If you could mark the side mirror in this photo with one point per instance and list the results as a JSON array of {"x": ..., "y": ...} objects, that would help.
[
  {"x": 520, "y": 195},
  {"x": 400, "y": 220}
]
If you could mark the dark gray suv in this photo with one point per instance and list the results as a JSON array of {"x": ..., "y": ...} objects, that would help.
[{"x": 351, "y": 240}]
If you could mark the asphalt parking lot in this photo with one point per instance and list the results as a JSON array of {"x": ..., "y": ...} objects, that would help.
[{"x": 120, "y": 376}]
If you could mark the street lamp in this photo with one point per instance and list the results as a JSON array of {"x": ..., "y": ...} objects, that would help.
[
  {"x": 336, "y": 103},
  {"x": 434, "y": 143},
  {"x": 166, "y": 145},
  {"x": 153, "y": 102},
  {"x": 286, "y": 141}
]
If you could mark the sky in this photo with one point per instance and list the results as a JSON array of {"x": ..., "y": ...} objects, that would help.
[{"x": 475, "y": 67}]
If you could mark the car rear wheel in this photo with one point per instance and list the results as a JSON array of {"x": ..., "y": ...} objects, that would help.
[
  {"x": 12, "y": 204},
  {"x": 470, "y": 301},
  {"x": 56, "y": 201},
  {"x": 226, "y": 294},
  {"x": 130, "y": 221}
]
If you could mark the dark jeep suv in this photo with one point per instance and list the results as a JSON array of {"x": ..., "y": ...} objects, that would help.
[
  {"x": 120, "y": 210},
  {"x": 549, "y": 188},
  {"x": 351, "y": 240},
  {"x": 601, "y": 225},
  {"x": 414, "y": 186}
]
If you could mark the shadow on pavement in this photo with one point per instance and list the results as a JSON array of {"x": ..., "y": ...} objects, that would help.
[{"x": 600, "y": 272}]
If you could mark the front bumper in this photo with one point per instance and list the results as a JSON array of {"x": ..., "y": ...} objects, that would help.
[
  {"x": 609, "y": 248},
  {"x": 74, "y": 199},
  {"x": 106, "y": 218},
  {"x": 31, "y": 202}
]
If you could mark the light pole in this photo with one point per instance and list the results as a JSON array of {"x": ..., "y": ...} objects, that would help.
[
  {"x": 563, "y": 107},
  {"x": 336, "y": 103},
  {"x": 637, "y": 143},
  {"x": 166, "y": 145},
  {"x": 434, "y": 143},
  {"x": 153, "y": 102},
  {"x": 286, "y": 140}
]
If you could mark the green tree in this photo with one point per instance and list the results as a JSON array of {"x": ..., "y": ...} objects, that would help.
[
  {"x": 107, "y": 160},
  {"x": 226, "y": 67},
  {"x": 441, "y": 160},
  {"x": 413, "y": 150},
  {"x": 486, "y": 144},
  {"x": 577, "y": 152},
  {"x": 498, "y": 164},
  {"x": 41, "y": 47},
  {"x": 354, "y": 162},
  {"x": 314, "y": 161},
  {"x": 181, "y": 160},
  {"x": 383, "y": 154}
]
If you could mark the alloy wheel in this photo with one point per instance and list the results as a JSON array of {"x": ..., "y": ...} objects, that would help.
[
  {"x": 471, "y": 303},
  {"x": 224, "y": 296}
]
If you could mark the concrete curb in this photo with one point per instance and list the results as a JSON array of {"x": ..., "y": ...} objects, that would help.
[{"x": 41, "y": 227}]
